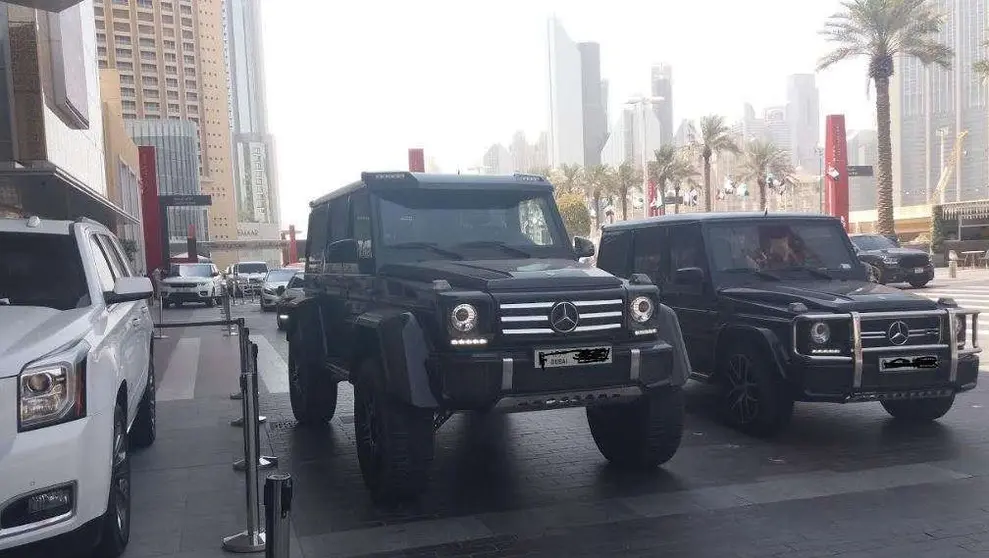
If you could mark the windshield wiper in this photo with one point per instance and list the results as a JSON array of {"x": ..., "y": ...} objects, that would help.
[
  {"x": 817, "y": 272},
  {"x": 753, "y": 271},
  {"x": 495, "y": 244},
  {"x": 429, "y": 246}
]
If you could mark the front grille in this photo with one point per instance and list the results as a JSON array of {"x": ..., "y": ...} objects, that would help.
[
  {"x": 185, "y": 285},
  {"x": 916, "y": 260},
  {"x": 531, "y": 318},
  {"x": 924, "y": 330}
]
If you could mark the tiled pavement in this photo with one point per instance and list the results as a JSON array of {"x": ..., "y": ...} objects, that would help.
[{"x": 844, "y": 480}]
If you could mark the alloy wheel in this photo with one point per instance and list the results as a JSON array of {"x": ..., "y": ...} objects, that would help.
[
  {"x": 120, "y": 489},
  {"x": 742, "y": 393}
]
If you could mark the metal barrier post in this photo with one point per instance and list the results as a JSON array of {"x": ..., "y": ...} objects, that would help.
[
  {"x": 251, "y": 410},
  {"x": 277, "y": 512},
  {"x": 228, "y": 331},
  {"x": 159, "y": 332},
  {"x": 253, "y": 538}
]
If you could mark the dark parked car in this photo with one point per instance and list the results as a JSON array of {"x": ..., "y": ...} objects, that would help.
[
  {"x": 891, "y": 263},
  {"x": 434, "y": 294},
  {"x": 777, "y": 309}
]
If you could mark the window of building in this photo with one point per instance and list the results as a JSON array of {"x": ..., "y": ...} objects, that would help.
[
  {"x": 123, "y": 2},
  {"x": 125, "y": 66},
  {"x": 189, "y": 47},
  {"x": 121, "y": 14},
  {"x": 149, "y": 55},
  {"x": 185, "y": 9},
  {"x": 101, "y": 37},
  {"x": 173, "y": 107},
  {"x": 167, "y": 31},
  {"x": 172, "y": 82},
  {"x": 102, "y": 63},
  {"x": 171, "y": 70},
  {"x": 145, "y": 3},
  {"x": 145, "y": 30},
  {"x": 169, "y": 44},
  {"x": 187, "y": 22},
  {"x": 189, "y": 59},
  {"x": 121, "y": 26},
  {"x": 128, "y": 105},
  {"x": 126, "y": 79},
  {"x": 186, "y": 34},
  {"x": 149, "y": 69},
  {"x": 101, "y": 52},
  {"x": 191, "y": 72},
  {"x": 154, "y": 107},
  {"x": 100, "y": 24},
  {"x": 166, "y": 6},
  {"x": 190, "y": 84},
  {"x": 170, "y": 57},
  {"x": 147, "y": 42},
  {"x": 130, "y": 115},
  {"x": 167, "y": 19},
  {"x": 123, "y": 53},
  {"x": 151, "y": 94},
  {"x": 128, "y": 92},
  {"x": 151, "y": 81},
  {"x": 144, "y": 16},
  {"x": 121, "y": 40},
  {"x": 192, "y": 109}
]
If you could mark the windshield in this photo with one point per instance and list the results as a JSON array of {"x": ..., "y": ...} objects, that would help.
[
  {"x": 296, "y": 281},
  {"x": 280, "y": 275},
  {"x": 191, "y": 270},
  {"x": 873, "y": 242},
  {"x": 41, "y": 270},
  {"x": 251, "y": 268},
  {"x": 494, "y": 224},
  {"x": 780, "y": 246}
]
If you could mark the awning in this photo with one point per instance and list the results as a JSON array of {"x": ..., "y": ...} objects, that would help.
[
  {"x": 52, "y": 193},
  {"x": 975, "y": 209}
]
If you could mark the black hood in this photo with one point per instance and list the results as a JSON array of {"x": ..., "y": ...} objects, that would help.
[
  {"x": 505, "y": 275},
  {"x": 830, "y": 296},
  {"x": 895, "y": 252}
]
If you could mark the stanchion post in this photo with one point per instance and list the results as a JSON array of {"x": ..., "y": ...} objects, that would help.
[
  {"x": 262, "y": 461},
  {"x": 277, "y": 514},
  {"x": 228, "y": 330},
  {"x": 159, "y": 332},
  {"x": 253, "y": 538}
]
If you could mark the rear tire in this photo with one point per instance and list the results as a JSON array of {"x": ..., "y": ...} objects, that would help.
[
  {"x": 312, "y": 392},
  {"x": 642, "y": 434},
  {"x": 919, "y": 284},
  {"x": 754, "y": 398},
  {"x": 144, "y": 430},
  {"x": 394, "y": 440},
  {"x": 919, "y": 410},
  {"x": 115, "y": 523}
]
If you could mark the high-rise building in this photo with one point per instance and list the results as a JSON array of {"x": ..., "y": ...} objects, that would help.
[
  {"x": 803, "y": 114},
  {"x": 625, "y": 143},
  {"x": 566, "y": 103},
  {"x": 687, "y": 133},
  {"x": 928, "y": 102},
  {"x": 593, "y": 112},
  {"x": 255, "y": 179},
  {"x": 662, "y": 86},
  {"x": 497, "y": 160},
  {"x": 777, "y": 127},
  {"x": 863, "y": 150},
  {"x": 170, "y": 56}
]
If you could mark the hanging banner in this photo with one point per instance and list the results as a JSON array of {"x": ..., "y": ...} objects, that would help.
[{"x": 836, "y": 169}]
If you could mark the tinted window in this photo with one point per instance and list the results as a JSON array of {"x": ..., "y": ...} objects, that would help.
[
  {"x": 252, "y": 268},
  {"x": 42, "y": 270},
  {"x": 686, "y": 247},
  {"x": 651, "y": 253},
  {"x": 339, "y": 219},
  {"x": 117, "y": 259},
  {"x": 779, "y": 246},
  {"x": 360, "y": 208},
  {"x": 615, "y": 248},
  {"x": 280, "y": 275},
  {"x": 191, "y": 270},
  {"x": 316, "y": 235},
  {"x": 297, "y": 281},
  {"x": 873, "y": 242},
  {"x": 103, "y": 271}
]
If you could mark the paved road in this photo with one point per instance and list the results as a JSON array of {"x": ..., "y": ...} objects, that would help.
[{"x": 844, "y": 480}]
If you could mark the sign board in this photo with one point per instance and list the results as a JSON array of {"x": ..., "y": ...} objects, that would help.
[
  {"x": 417, "y": 160},
  {"x": 854, "y": 170},
  {"x": 184, "y": 200}
]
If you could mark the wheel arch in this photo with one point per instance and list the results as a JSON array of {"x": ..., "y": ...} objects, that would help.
[
  {"x": 765, "y": 340},
  {"x": 399, "y": 342}
]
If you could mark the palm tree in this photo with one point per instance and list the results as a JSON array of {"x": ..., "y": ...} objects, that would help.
[
  {"x": 672, "y": 167},
  {"x": 762, "y": 160},
  {"x": 599, "y": 182},
  {"x": 715, "y": 138},
  {"x": 982, "y": 66},
  {"x": 572, "y": 178},
  {"x": 880, "y": 30},
  {"x": 628, "y": 178}
]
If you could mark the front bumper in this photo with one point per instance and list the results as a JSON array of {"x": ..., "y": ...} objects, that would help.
[
  {"x": 907, "y": 274},
  {"x": 74, "y": 454},
  {"x": 859, "y": 378},
  {"x": 269, "y": 299},
  {"x": 198, "y": 295},
  {"x": 509, "y": 381}
]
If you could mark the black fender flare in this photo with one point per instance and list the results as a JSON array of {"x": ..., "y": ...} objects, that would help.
[
  {"x": 669, "y": 331},
  {"x": 400, "y": 343},
  {"x": 765, "y": 338},
  {"x": 307, "y": 316}
]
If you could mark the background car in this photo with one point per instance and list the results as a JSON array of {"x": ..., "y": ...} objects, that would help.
[
  {"x": 246, "y": 277},
  {"x": 273, "y": 286},
  {"x": 191, "y": 282},
  {"x": 891, "y": 263},
  {"x": 286, "y": 302}
]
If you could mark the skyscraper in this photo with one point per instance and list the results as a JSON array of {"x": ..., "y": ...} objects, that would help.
[
  {"x": 566, "y": 103},
  {"x": 928, "y": 101},
  {"x": 170, "y": 58},
  {"x": 803, "y": 115},
  {"x": 253, "y": 145},
  {"x": 662, "y": 86},
  {"x": 593, "y": 112}
]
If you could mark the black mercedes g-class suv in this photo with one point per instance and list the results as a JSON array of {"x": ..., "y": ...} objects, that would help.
[
  {"x": 891, "y": 263},
  {"x": 776, "y": 308},
  {"x": 433, "y": 294}
]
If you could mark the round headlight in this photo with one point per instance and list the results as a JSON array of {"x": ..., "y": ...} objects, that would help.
[
  {"x": 463, "y": 318},
  {"x": 959, "y": 326},
  {"x": 820, "y": 333},
  {"x": 641, "y": 309}
]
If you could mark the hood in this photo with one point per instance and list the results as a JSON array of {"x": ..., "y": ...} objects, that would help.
[
  {"x": 506, "y": 275},
  {"x": 173, "y": 280},
  {"x": 896, "y": 252},
  {"x": 275, "y": 284},
  {"x": 28, "y": 333},
  {"x": 832, "y": 296},
  {"x": 250, "y": 275}
]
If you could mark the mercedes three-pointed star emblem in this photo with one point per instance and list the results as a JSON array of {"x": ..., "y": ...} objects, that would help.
[
  {"x": 563, "y": 317},
  {"x": 898, "y": 333}
]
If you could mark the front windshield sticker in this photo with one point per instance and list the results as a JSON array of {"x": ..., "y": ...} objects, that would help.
[{"x": 364, "y": 249}]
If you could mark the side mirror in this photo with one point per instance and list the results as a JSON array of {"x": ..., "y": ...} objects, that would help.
[
  {"x": 689, "y": 276},
  {"x": 583, "y": 247},
  {"x": 215, "y": 274},
  {"x": 280, "y": 290},
  {"x": 342, "y": 251},
  {"x": 129, "y": 289}
]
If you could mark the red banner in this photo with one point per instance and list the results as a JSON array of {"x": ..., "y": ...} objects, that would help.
[
  {"x": 153, "y": 246},
  {"x": 836, "y": 169},
  {"x": 417, "y": 160}
]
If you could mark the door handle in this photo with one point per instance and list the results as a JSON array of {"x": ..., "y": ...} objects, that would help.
[{"x": 135, "y": 322}]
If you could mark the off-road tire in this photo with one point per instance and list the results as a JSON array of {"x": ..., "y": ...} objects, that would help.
[
  {"x": 919, "y": 410},
  {"x": 144, "y": 429},
  {"x": 764, "y": 408},
  {"x": 114, "y": 534},
  {"x": 641, "y": 434},
  {"x": 312, "y": 392},
  {"x": 919, "y": 284},
  {"x": 394, "y": 440}
]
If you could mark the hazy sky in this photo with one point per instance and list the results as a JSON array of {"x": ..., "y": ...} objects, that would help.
[{"x": 352, "y": 85}]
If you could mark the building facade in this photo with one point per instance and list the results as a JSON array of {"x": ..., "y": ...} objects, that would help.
[
  {"x": 566, "y": 103},
  {"x": 863, "y": 150},
  {"x": 594, "y": 112},
  {"x": 497, "y": 160},
  {"x": 661, "y": 80},
  {"x": 803, "y": 114}
]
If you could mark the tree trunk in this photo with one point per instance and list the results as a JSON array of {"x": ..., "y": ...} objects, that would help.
[
  {"x": 884, "y": 174},
  {"x": 597, "y": 210},
  {"x": 763, "y": 200},
  {"x": 624, "y": 194},
  {"x": 707, "y": 184}
]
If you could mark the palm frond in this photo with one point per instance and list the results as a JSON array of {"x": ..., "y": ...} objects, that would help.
[{"x": 982, "y": 69}]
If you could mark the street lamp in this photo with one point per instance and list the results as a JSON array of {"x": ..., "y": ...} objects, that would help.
[
  {"x": 820, "y": 174},
  {"x": 644, "y": 102}
]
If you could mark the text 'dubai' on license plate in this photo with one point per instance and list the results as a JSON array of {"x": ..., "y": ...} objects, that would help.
[{"x": 579, "y": 356}]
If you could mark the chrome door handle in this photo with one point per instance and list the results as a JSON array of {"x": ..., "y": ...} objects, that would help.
[{"x": 135, "y": 321}]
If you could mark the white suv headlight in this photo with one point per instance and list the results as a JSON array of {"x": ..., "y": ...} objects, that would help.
[
  {"x": 53, "y": 392},
  {"x": 463, "y": 317},
  {"x": 641, "y": 309}
]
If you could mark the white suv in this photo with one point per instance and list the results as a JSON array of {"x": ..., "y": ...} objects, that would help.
[{"x": 76, "y": 376}]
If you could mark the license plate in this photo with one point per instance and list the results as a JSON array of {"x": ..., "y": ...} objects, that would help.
[
  {"x": 580, "y": 356},
  {"x": 907, "y": 363},
  {"x": 918, "y": 270}
]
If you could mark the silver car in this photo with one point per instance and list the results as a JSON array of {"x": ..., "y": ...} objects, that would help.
[
  {"x": 285, "y": 303},
  {"x": 246, "y": 277},
  {"x": 273, "y": 286}
]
